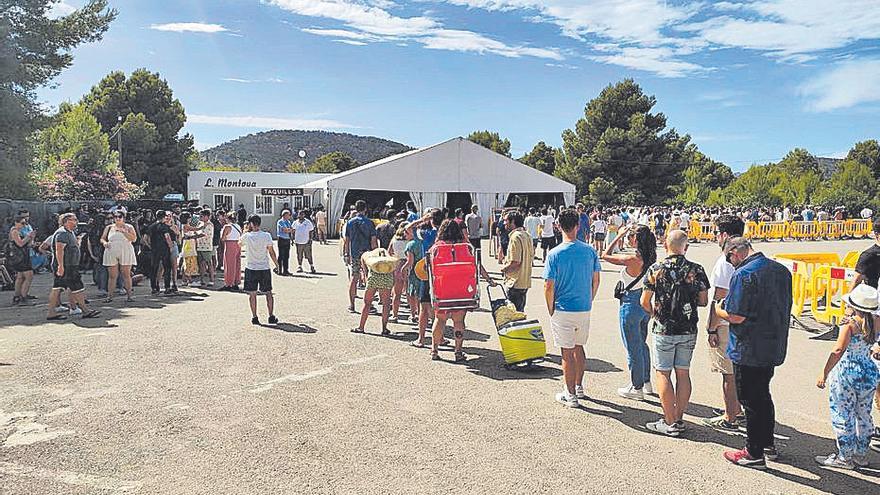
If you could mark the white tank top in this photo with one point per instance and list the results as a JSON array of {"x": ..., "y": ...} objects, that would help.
[
  {"x": 234, "y": 232},
  {"x": 628, "y": 279}
]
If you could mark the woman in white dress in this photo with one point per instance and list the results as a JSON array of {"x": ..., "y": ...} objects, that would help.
[{"x": 119, "y": 255}]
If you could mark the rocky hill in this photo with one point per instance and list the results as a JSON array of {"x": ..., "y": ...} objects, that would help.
[{"x": 273, "y": 150}]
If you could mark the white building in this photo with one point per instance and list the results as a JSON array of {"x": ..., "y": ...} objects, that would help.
[{"x": 261, "y": 193}]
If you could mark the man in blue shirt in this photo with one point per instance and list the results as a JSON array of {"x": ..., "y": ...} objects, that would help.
[
  {"x": 571, "y": 279},
  {"x": 360, "y": 237},
  {"x": 283, "y": 230},
  {"x": 583, "y": 234},
  {"x": 757, "y": 306}
]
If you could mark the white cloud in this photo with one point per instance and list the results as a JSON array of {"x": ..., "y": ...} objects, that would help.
[
  {"x": 256, "y": 122},
  {"x": 189, "y": 27},
  {"x": 846, "y": 85},
  {"x": 468, "y": 41},
  {"x": 372, "y": 22},
  {"x": 352, "y": 42},
  {"x": 790, "y": 31},
  {"x": 340, "y": 33},
  {"x": 562, "y": 66},
  {"x": 657, "y": 60}
]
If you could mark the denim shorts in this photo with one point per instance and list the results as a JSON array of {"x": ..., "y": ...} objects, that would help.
[{"x": 673, "y": 351}]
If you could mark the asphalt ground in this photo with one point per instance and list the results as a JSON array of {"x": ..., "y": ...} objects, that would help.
[{"x": 182, "y": 395}]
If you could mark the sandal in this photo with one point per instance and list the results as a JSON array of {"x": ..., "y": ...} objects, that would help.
[
  {"x": 460, "y": 357},
  {"x": 56, "y": 318},
  {"x": 351, "y": 309},
  {"x": 386, "y": 332},
  {"x": 417, "y": 344},
  {"x": 435, "y": 356},
  {"x": 91, "y": 314},
  {"x": 357, "y": 330}
]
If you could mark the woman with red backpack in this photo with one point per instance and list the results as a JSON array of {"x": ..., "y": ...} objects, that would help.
[{"x": 450, "y": 234}]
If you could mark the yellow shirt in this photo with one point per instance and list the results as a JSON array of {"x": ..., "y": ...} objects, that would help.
[{"x": 520, "y": 249}]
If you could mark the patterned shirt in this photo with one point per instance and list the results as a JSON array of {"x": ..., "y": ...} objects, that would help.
[{"x": 676, "y": 284}]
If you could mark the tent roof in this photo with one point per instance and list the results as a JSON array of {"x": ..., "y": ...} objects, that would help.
[{"x": 457, "y": 165}]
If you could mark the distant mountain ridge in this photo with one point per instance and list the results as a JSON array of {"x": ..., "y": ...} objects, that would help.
[{"x": 271, "y": 151}]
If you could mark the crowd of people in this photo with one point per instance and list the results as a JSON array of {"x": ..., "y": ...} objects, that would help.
[
  {"x": 749, "y": 298},
  {"x": 748, "y": 295}
]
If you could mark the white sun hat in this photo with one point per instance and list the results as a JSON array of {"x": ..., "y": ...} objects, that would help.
[{"x": 863, "y": 298}]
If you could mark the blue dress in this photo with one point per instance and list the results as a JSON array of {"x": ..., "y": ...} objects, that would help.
[{"x": 852, "y": 384}]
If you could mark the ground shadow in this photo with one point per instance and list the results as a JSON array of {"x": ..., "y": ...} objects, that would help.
[
  {"x": 291, "y": 327},
  {"x": 796, "y": 448},
  {"x": 490, "y": 363}
]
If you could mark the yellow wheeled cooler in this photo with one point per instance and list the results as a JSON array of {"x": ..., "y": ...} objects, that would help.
[{"x": 522, "y": 342}]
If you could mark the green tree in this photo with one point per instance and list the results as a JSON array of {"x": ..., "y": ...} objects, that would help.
[
  {"x": 799, "y": 161},
  {"x": 153, "y": 152},
  {"x": 33, "y": 50},
  {"x": 601, "y": 191},
  {"x": 867, "y": 153},
  {"x": 620, "y": 140},
  {"x": 491, "y": 140},
  {"x": 74, "y": 160},
  {"x": 852, "y": 186},
  {"x": 753, "y": 187},
  {"x": 701, "y": 177},
  {"x": 542, "y": 157},
  {"x": 332, "y": 163}
]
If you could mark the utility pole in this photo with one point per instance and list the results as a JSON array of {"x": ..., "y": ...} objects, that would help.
[{"x": 119, "y": 140}]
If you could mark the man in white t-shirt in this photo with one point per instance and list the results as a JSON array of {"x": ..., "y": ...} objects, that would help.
[
  {"x": 302, "y": 238},
  {"x": 321, "y": 221},
  {"x": 548, "y": 236},
  {"x": 726, "y": 227},
  {"x": 532, "y": 223},
  {"x": 257, "y": 272}
]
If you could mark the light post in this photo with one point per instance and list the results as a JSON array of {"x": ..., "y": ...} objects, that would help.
[
  {"x": 119, "y": 140},
  {"x": 302, "y": 158}
]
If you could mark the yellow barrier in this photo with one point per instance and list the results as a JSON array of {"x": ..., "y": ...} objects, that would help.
[
  {"x": 829, "y": 284},
  {"x": 858, "y": 227},
  {"x": 701, "y": 231},
  {"x": 804, "y": 230},
  {"x": 751, "y": 230},
  {"x": 802, "y": 267},
  {"x": 849, "y": 261},
  {"x": 773, "y": 230},
  {"x": 832, "y": 229},
  {"x": 799, "y": 284}
]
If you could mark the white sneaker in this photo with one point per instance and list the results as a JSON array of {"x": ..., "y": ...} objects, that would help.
[
  {"x": 61, "y": 309},
  {"x": 662, "y": 428},
  {"x": 647, "y": 389},
  {"x": 579, "y": 392},
  {"x": 121, "y": 292},
  {"x": 75, "y": 311},
  {"x": 195, "y": 284},
  {"x": 567, "y": 400},
  {"x": 631, "y": 392}
]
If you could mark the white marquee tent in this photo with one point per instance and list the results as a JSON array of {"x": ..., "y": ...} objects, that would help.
[{"x": 428, "y": 174}]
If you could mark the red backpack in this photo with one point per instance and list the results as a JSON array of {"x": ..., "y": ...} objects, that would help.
[{"x": 453, "y": 274}]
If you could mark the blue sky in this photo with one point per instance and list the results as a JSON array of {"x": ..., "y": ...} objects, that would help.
[{"x": 748, "y": 80}]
